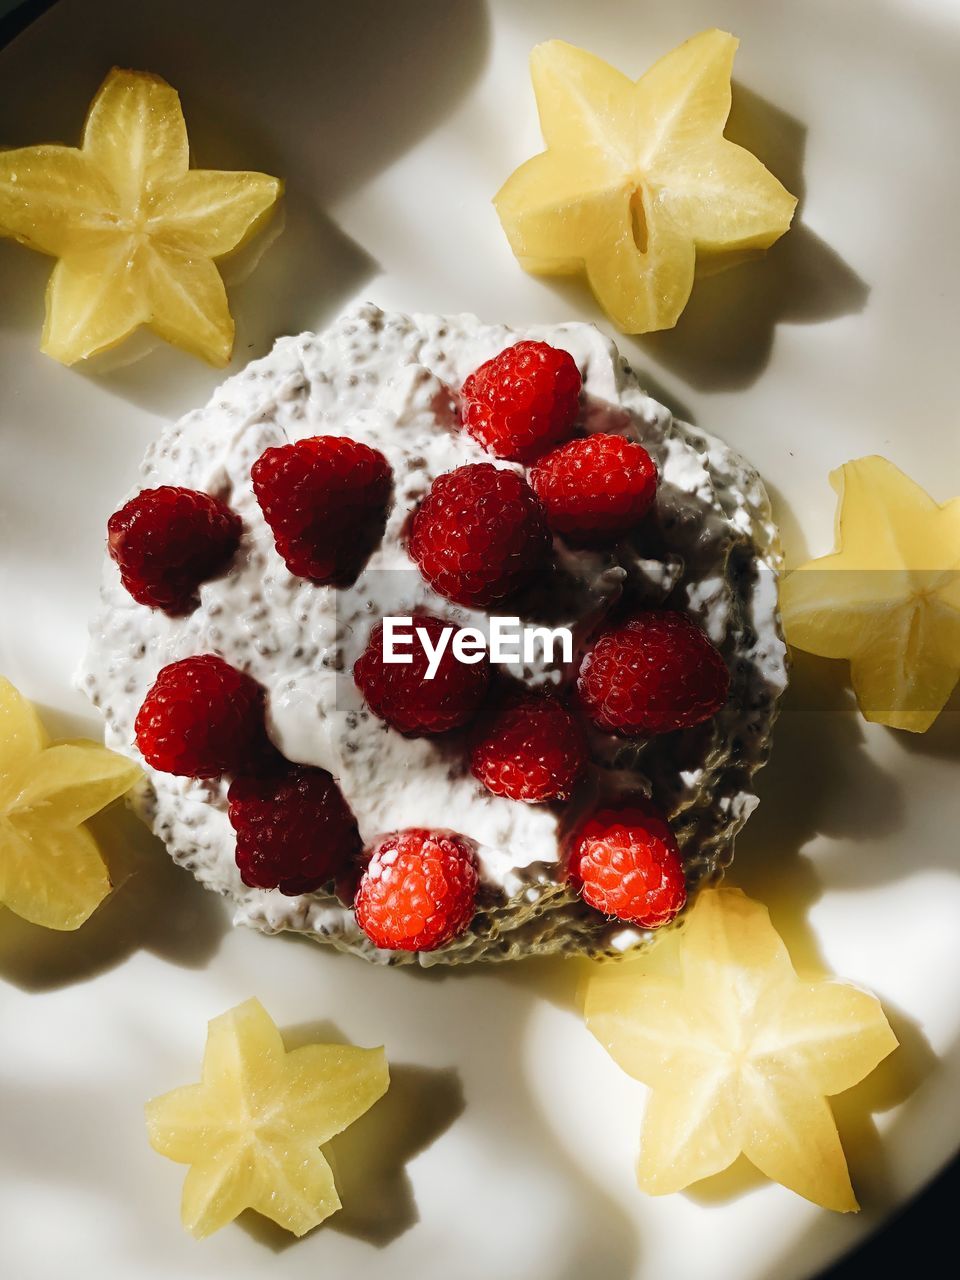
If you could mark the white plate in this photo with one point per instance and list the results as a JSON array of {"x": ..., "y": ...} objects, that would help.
[{"x": 506, "y": 1144}]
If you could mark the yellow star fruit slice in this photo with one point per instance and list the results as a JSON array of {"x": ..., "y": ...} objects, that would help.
[
  {"x": 51, "y": 871},
  {"x": 252, "y": 1129},
  {"x": 888, "y": 599},
  {"x": 739, "y": 1053},
  {"x": 638, "y": 180},
  {"x": 136, "y": 232}
]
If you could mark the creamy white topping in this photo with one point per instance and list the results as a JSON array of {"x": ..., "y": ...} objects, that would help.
[{"x": 391, "y": 381}]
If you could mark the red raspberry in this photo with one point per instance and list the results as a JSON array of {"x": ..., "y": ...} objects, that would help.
[
  {"x": 626, "y": 863},
  {"x": 595, "y": 490},
  {"x": 167, "y": 541},
  {"x": 294, "y": 829},
  {"x": 479, "y": 535},
  {"x": 522, "y": 401},
  {"x": 418, "y": 891},
  {"x": 326, "y": 501},
  {"x": 656, "y": 673},
  {"x": 403, "y": 696},
  {"x": 202, "y": 718},
  {"x": 531, "y": 748}
]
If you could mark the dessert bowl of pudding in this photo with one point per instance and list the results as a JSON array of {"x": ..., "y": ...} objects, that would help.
[{"x": 420, "y": 476}]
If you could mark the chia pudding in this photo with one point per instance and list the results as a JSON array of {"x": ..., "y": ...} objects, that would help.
[{"x": 709, "y": 548}]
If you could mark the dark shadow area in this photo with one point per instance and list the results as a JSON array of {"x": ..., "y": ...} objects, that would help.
[
  {"x": 556, "y": 979},
  {"x": 940, "y": 742},
  {"x": 155, "y": 906},
  {"x": 925, "y": 1223},
  {"x": 820, "y": 747},
  {"x": 507, "y": 1112},
  {"x": 894, "y": 1080},
  {"x": 724, "y": 336},
  {"x": 723, "y": 339},
  {"x": 792, "y": 533},
  {"x": 20, "y": 17},
  {"x": 728, "y": 1185},
  {"x": 256, "y": 78},
  {"x": 369, "y": 1158},
  {"x": 819, "y": 744}
]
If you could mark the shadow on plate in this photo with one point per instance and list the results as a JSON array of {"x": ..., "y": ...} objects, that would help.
[
  {"x": 793, "y": 536},
  {"x": 155, "y": 906},
  {"x": 821, "y": 781},
  {"x": 800, "y": 280},
  {"x": 724, "y": 337},
  {"x": 505, "y": 1116},
  {"x": 369, "y": 1158},
  {"x": 820, "y": 748},
  {"x": 941, "y": 741}
]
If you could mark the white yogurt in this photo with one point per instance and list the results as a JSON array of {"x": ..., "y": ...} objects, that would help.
[{"x": 391, "y": 381}]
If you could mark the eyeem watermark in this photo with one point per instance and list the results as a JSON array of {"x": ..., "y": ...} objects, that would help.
[{"x": 508, "y": 641}]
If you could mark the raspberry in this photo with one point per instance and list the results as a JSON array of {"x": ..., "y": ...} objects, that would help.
[
  {"x": 479, "y": 535},
  {"x": 626, "y": 863},
  {"x": 595, "y": 490},
  {"x": 167, "y": 541},
  {"x": 523, "y": 401},
  {"x": 656, "y": 673},
  {"x": 531, "y": 748},
  {"x": 418, "y": 891},
  {"x": 403, "y": 696},
  {"x": 326, "y": 501},
  {"x": 202, "y": 718},
  {"x": 294, "y": 829}
]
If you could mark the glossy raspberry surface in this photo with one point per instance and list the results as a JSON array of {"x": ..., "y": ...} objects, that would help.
[
  {"x": 529, "y": 748},
  {"x": 295, "y": 831},
  {"x": 401, "y": 694},
  {"x": 655, "y": 673},
  {"x": 325, "y": 499},
  {"x": 523, "y": 401},
  {"x": 418, "y": 890},
  {"x": 596, "y": 489},
  {"x": 169, "y": 540},
  {"x": 203, "y": 718},
  {"x": 626, "y": 863},
  {"x": 480, "y": 534}
]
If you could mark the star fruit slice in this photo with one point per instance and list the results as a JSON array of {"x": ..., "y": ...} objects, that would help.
[
  {"x": 252, "y": 1129},
  {"x": 637, "y": 180},
  {"x": 51, "y": 871},
  {"x": 888, "y": 599},
  {"x": 135, "y": 230},
  {"x": 739, "y": 1053}
]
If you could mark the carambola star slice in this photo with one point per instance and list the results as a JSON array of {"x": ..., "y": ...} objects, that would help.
[
  {"x": 739, "y": 1053},
  {"x": 888, "y": 598},
  {"x": 252, "y": 1129},
  {"x": 51, "y": 871},
  {"x": 638, "y": 187},
  {"x": 136, "y": 232}
]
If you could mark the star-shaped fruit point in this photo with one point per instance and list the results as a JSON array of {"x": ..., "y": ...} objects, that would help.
[
  {"x": 134, "y": 228},
  {"x": 51, "y": 871},
  {"x": 740, "y": 1054},
  {"x": 638, "y": 187},
  {"x": 252, "y": 1129},
  {"x": 888, "y": 599}
]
